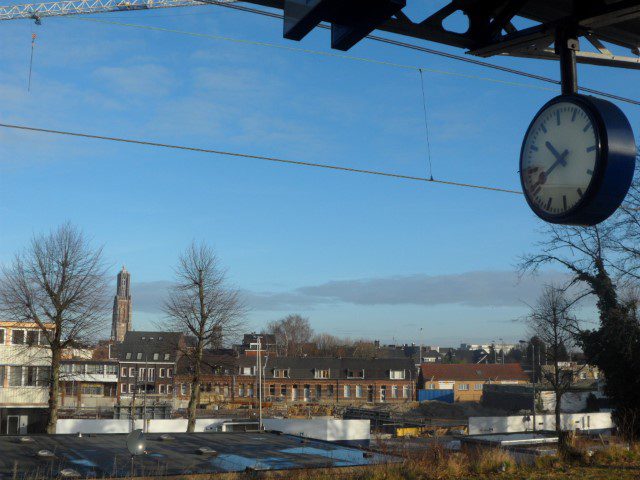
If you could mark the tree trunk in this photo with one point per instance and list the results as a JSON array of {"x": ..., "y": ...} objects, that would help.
[
  {"x": 54, "y": 389},
  {"x": 194, "y": 400}
]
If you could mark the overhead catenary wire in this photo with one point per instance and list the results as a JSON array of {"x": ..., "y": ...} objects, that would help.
[
  {"x": 258, "y": 157},
  {"x": 426, "y": 124},
  {"x": 432, "y": 51},
  {"x": 316, "y": 52}
]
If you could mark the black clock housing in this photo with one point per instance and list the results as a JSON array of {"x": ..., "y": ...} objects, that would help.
[{"x": 614, "y": 168}]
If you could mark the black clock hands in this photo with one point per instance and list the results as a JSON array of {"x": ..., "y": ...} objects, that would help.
[{"x": 560, "y": 158}]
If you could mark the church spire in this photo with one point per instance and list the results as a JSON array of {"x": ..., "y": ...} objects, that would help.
[{"x": 121, "y": 322}]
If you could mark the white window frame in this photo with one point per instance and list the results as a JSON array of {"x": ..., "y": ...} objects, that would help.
[
  {"x": 347, "y": 391},
  {"x": 397, "y": 374},
  {"x": 169, "y": 373},
  {"x": 358, "y": 391},
  {"x": 123, "y": 388},
  {"x": 463, "y": 387},
  {"x": 322, "y": 373},
  {"x": 132, "y": 372},
  {"x": 406, "y": 392},
  {"x": 123, "y": 372},
  {"x": 131, "y": 388},
  {"x": 161, "y": 388},
  {"x": 161, "y": 373},
  {"x": 151, "y": 374},
  {"x": 183, "y": 388}
]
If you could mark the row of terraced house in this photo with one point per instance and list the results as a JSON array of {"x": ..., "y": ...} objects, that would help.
[{"x": 150, "y": 371}]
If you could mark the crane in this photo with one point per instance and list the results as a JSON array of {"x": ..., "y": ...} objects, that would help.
[{"x": 36, "y": 11}]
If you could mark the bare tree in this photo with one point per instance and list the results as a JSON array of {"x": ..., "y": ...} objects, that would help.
[
  {"x": 601, "y": 260},
  {"x": 552, "y": 321},
  {"x": 203, "y": 307},
  {"x": 292, "y": 333},
  {"x": 57, "y": 283}
]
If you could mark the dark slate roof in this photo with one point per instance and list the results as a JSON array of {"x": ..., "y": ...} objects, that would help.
[
  {"x": 304, "y": 368},
  {"x": 473, "y": 372},
  {"x": 211, "y": 361},
  {"x": 148, "y": 343}
]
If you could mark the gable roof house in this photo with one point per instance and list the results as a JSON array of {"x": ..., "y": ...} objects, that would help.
[{"x": 467, "y": 380}]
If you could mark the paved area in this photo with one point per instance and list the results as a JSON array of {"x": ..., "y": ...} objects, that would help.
[{"x": 107, "y": 456}]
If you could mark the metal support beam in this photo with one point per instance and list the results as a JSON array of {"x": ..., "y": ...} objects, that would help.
[{"x": 566, "y": 46}]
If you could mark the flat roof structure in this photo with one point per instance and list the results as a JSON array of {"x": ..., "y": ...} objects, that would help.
[{"x": 106, "y": 455}]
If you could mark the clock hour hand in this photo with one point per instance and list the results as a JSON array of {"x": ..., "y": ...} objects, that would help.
[
  {"x": 561, "y": 160},
  {"x": 559, "y": 157}
]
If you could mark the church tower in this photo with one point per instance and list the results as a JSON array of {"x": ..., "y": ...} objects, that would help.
[{"x": 121, "y": 307}]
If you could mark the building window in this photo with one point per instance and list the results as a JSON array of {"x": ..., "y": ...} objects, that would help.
[
  {"x": 17, "y": 337},
  {"x": 151, "y": 374},
  {"x": 32, "y": 337},
  {"x": 15, "y": 376},
  {"x": 241, "y": 390},
  {"x": 322, "y": 373},
  {"x": 95, "y": 368},
  {"x": 396, "y": 374},
  {"x": 358, "y": 391},
  {"x": 139, "y": 356},
  {"x": 161, "y": 388},
  {"x": 330, "y": 390},
  {"x": 131, "y": 388},
  {"x": 355, "y": 373},
  {"x": 272, "y": 390},
  {"x": 283, "y": 390},
  {"x": 432, "y": 386},
  {"x": 156, "y": 356},
  {"x": 477, "y": 386},
  {"x": 123, "y": 388},
  {"x": 183, "y": 388},
  {"x": 161, "y": 373},
  {"x": 226, "y": 391},
  {"x": 463, "y": 386},
  {"x": 281, "y": 373},
  {"x": 383, "y": 393},
  {"x": 318, "y": 392},
  {"x": 123, "y": 372},
  {"x": 132, "y": 372},
  {"x": 111, "y": 369},
  {"x": 1, "y": 376},
  {"x": 169, "y": 389},
  {"x": 141, "y": 373},
  {"x": 347, "y": 391},
  {"x": 92, "y": 390},
  {"x": 1, "y": 336},
  {"x": 169, "y": 373},
  {"x": 166, "y": 356},
  {"x": 394, "y": 391},
  {"x": 405, "y": 391},
  {"x": 246, "y": 371},
  {"x": 127, "y": 356}
]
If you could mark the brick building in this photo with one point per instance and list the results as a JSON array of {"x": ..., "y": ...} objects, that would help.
[
  {"x": 147, "y": 362},
  {"x": 328, "y": 380},
  {"x": 468, "y": 380},
  {"x": 218, "y": 373}
]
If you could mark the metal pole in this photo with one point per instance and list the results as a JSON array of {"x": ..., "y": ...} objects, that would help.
[
  {"x": 566, "y": 45},
  {"x": 533, "y": 363},
  {"x": 144, "y": 398},
  {"x": 259, "y": 384}
]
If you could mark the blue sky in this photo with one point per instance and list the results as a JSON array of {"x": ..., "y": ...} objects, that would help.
[{"x": 362, "y": 256}]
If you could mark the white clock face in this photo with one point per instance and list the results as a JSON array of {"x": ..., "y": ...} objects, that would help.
[{"x": 559, "y": 158}]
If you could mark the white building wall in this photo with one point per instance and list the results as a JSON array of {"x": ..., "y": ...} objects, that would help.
[
  {"x": 73, "y": 426},
  {"x": 328, "y": 429},
  {"x": 523, "y": 423}
]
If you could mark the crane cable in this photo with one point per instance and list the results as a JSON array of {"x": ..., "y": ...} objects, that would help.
[
  {"x": 258, "y": 157},
  {"x": 33, "y": 43}
]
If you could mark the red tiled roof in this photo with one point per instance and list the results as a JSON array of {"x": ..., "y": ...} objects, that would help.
[{"x": 470, "y": 372}]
